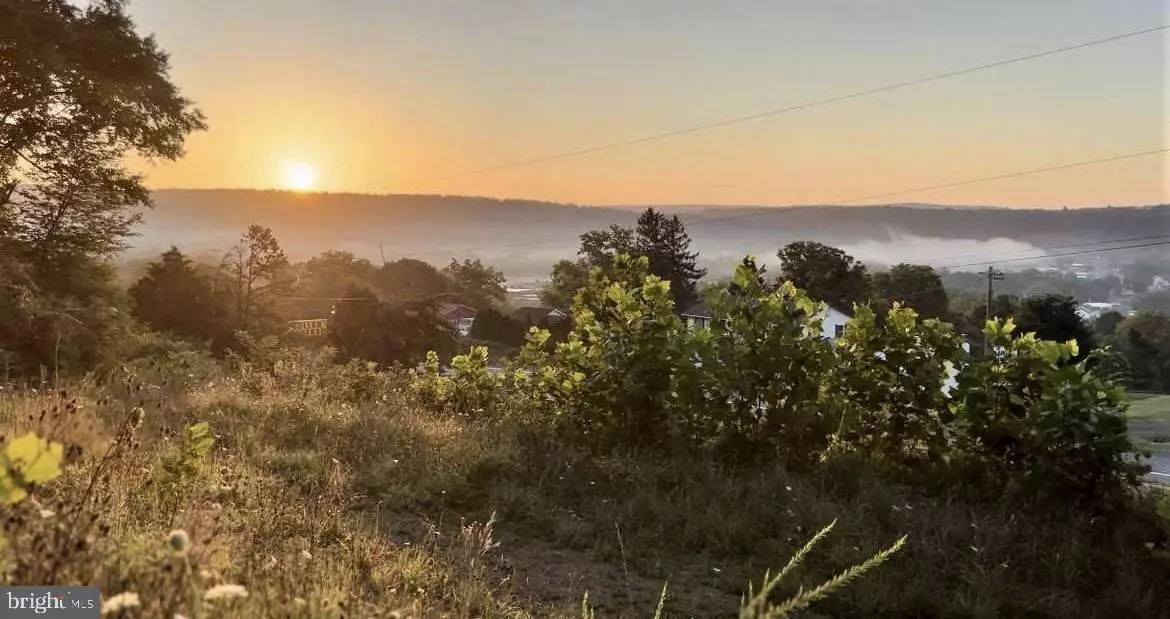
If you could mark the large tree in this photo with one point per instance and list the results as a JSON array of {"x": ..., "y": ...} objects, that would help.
[
  {"x": 256, "y": 273},
  {"x": 913, "y": 285},
  {"x": 599, "y": 248},
  {"x": 173, "y": 297},
  {"x": 332, "y": 273},
  {"x": 664, "y": 242},
  {"x": 388, "y": 333},
  {"x": 407, "y": 280},
  {"x": 81, "y": 90},
  {"x": 1144, "y": 341},
  {"x": 478, "y": 284},
  {"x": 1055, "y": 317},
  {"x": 826, "y": 273},
  {"x": 567, "y": 278}
]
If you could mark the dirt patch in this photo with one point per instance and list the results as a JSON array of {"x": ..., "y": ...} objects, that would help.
[{"x": 557, "y": 577}]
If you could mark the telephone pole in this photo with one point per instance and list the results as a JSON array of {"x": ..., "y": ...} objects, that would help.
[{"x": 992, "y": 275}]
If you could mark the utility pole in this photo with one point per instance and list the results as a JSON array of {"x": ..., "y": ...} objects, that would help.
[{"x": 992, "y": 275}]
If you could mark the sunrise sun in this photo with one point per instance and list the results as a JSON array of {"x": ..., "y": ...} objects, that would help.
[{"x": 300, "y": 176}]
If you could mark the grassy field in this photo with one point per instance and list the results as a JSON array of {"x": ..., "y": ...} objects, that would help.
[
  {"x": 1149, "y": 421},
  {"x": 329, "y": 494}
]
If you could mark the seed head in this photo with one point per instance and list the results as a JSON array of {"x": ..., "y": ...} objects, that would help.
[{"x": 178, "y": 541}]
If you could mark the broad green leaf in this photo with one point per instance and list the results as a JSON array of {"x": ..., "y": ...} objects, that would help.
[
  {"x": 34, "y": 458},
  {"x": 200, "y": 439}
]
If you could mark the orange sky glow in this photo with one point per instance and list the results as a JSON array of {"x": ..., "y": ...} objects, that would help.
[{"x": 382, "y": 103}]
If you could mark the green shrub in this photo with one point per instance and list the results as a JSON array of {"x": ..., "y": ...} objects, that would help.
[
  {"x": 763, "y": 365},
  {"x": 1029, "y": 418},
  {"x": 888, "y": 385}
]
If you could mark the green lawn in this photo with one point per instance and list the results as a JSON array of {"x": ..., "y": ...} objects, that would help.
[
  {"x": 1149, "y": 421},
  {"x": 1149, "y": 406}
]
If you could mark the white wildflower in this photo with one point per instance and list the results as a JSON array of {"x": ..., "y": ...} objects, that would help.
[
  {"x": 306, "y": 555},
  {"x": 225, "y": 592},
  {"x": 120, "y": 602}
]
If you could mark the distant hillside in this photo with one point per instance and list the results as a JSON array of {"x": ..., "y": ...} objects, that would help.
[{"x": 524, "y": 237}]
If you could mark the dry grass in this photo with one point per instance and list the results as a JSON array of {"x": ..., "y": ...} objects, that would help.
[{"x": 330, "y": 495}]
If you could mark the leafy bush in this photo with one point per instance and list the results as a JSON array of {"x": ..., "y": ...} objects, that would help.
[
  {"x": 1030, "y": 418},
  {"x": 467, "y": 389},
  {"x": 762, "y": 365},
  {"x": 620, "y": 359},
  {"x": 888, "y": 384}
]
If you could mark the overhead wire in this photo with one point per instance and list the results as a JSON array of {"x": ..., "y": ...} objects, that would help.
[{"x": 793, "y": 108}]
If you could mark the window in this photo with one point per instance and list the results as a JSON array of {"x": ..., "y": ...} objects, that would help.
[{"x": 838, "y": 331}]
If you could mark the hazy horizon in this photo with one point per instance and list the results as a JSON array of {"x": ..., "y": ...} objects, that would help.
[{"x": 679, "y": 205}]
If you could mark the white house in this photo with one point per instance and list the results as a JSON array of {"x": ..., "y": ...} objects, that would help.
[
  {"x": 833, "y": 320},
  {"x": 459, "y": 316}
]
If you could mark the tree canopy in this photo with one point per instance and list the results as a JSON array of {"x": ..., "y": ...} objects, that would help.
[
  {"x": 662, "y": 240},
  {"x": 1144, "y": 341},
  {"x": 173, "y": 298},
  {"x": 478, "y": 284},
  {"x": 915, "y": 286},
  {"x": 1055, "y": 317},
  {"x": 828, "y": 274},
  {"x": 81, "y": 92}
]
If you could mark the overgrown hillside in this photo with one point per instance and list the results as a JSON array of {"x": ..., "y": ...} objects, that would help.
[{"x": 342, "y": 490}]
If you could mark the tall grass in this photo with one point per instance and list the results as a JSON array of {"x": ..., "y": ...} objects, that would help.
[{"x": 327, "y": 493}]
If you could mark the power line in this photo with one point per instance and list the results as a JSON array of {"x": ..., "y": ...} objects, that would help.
[
  {"x": 973, "y": 181},
  {"x": 790, "y": 109},
  {"x": 788, "y": 210}
]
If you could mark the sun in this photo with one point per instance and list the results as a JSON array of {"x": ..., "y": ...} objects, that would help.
[{"x": 300, "y": 176}]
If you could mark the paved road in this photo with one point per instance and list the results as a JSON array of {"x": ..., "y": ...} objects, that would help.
[{"x": 1159, "y": 468}]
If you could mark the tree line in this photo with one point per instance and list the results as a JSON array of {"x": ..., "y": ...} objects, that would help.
[{"x": 68, "y": 205}]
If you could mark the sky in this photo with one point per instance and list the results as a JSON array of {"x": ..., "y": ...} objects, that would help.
[{"x": 380, "y": 96}]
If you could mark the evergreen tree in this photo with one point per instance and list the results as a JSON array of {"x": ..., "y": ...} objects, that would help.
[
  {"x": 665, "y": 243},
  {"x": 172, "y": 297}
]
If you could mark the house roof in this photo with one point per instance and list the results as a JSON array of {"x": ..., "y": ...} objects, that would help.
[
  {"x": 698, "y": 310},
  {"x": 446, "y": 309},
  {"x": 532, "y": 313},
  {"x": 839, "y": 310}
]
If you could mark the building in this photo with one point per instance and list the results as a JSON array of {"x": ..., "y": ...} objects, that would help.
[
  {"x": 833, "y": 320},
  {"x": 534, "y": 315},
  {"x": 459, "y": 316}
]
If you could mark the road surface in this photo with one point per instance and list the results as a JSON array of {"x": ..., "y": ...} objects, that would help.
[{"x": 1159, "y": 464}]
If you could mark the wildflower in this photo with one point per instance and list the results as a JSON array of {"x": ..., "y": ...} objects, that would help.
[
  {"x": 120, "y": 602},
  {"x": 225, "y": 592},
  {"x": 306, "y": 555},
  {"x": 178, "y": 541},
  {"x": 1149, "y": 545},
  {"x": 299, "y": 602}
]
